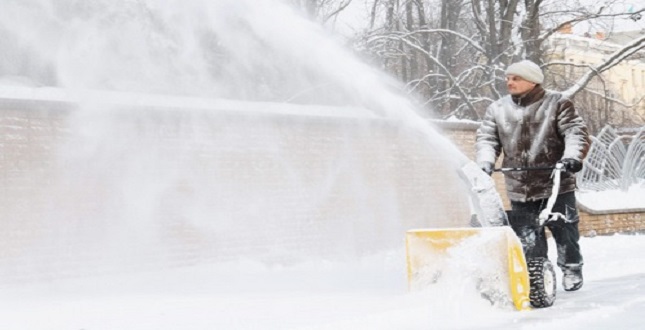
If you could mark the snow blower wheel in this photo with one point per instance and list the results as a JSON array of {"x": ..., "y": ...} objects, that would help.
[{"x": 542, "y": 282}]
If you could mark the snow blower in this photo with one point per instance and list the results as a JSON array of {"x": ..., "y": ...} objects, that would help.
[{"x": 512, "y": 274}]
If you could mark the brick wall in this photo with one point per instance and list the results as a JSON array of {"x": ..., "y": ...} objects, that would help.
[
  {"x": 86, "y": 190},
  {"x": 606, "y": 224}
]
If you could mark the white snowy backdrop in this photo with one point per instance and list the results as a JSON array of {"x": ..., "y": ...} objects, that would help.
[{"x": 233, "y": 49}]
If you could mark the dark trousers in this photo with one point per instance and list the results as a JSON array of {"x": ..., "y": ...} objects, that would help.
[{"x": 524, "y": 220}]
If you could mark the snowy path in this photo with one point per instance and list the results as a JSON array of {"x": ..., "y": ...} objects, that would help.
[
  {"x": 368, "y": 294},
  {"x": 603, "y": 304}
]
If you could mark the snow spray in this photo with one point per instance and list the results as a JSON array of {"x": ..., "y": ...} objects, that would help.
[{"x": 188, "y": 131}]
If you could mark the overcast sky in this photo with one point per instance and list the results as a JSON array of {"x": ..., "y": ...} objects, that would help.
[{"x": 349, "y": 21}]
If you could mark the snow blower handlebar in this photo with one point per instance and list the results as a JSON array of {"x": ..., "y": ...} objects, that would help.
[
  {"x": 547, "y": 215},
  {"x": 519, "y": 169}
]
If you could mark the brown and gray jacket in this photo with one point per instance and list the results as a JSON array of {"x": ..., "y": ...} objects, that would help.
[{"x": 536, "y": 130}]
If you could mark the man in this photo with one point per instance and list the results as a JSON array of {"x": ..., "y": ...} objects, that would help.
[{"x": 537, "y": 128}]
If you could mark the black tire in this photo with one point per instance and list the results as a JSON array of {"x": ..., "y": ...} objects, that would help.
[{"x": 542, "y": 280}]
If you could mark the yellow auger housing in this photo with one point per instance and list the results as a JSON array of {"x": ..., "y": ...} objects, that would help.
[{"x": 431, "y": 253}]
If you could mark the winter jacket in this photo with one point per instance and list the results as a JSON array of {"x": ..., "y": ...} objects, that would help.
[{"x": 536, "y": 130}]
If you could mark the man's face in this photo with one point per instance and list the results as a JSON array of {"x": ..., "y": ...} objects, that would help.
[{"x": 517, "y": 85}]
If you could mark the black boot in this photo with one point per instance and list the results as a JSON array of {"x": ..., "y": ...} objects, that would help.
[{"x": 572, "y": 279}]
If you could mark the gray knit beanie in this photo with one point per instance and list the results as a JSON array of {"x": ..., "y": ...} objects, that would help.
[{"x": 527, "y": 70}]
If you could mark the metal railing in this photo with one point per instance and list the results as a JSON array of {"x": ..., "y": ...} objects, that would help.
[{"x": 614, "y": 161}]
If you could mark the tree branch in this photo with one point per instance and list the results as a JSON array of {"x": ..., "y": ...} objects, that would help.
[
  {"x": 612, "y": 61},
  {"x": 587, "y": 17},
  {"x": 340, "y": 8},
  {"x": 459, "y": 35},
  {"x": 464, "y": 96}
]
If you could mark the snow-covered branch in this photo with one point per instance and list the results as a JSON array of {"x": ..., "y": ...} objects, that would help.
[
  {"x": 436, "y": 61},
  {"x": 457, "y": 34}
]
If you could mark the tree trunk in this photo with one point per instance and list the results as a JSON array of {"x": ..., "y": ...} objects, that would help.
[{"x": 530, "y": 31}]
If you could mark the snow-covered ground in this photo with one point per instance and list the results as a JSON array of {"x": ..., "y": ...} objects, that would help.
[{"x": 359, "y": 294}]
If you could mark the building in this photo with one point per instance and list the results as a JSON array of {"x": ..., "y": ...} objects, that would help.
[{"x": 617, "y": 96}]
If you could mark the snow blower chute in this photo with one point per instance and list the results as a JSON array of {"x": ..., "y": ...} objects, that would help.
[{"x": 447, "y": 254}]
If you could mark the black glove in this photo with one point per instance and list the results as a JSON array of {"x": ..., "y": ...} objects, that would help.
[
  {"x": 571, "y": 165},
  {"x": 487, "y": 167}
]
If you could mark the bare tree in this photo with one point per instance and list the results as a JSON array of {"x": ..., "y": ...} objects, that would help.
[{"x": 322, "y": 10}]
